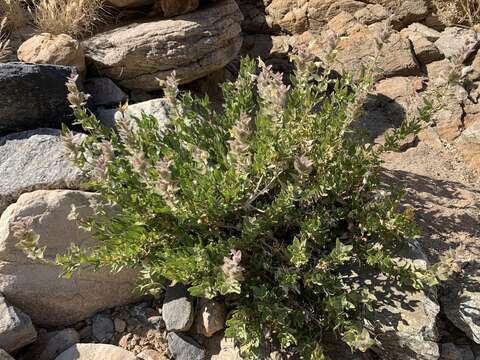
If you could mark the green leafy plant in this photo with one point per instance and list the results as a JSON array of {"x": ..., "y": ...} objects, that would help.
[{"x": 273, "y": 203}]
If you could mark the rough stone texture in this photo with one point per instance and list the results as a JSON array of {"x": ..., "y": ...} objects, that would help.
[
  {"x": 43, "y": 95},
  {"x": 461, "y": 303},
  {"x": 318, "y": 13},
  {"x": 406, "y": 12},
  {"x": 130, "y": 3},
  {"x": 177, "y": 309},
  {"x": 297, "y": 16},
  {"x": 36, "y": 287},
  {"x": 405, "y": 322},
  {"x": 104, "y": 92},
  {"x": 426, "y": 32},
  {"x": 193, "y": 45},
  {"x": 422, "y": 42},
  {"x": 289, "y": 15},
  {"x": 96, "y": 352},
  {"x": 174, "y": 7},
  {"x": 451, "y": 351},
  {"x": 360, "y": 47},
  {"x": 5, "y": 356},
  {"x": 155, "y": 107},
  {"x": 152, "y": 355},
  {"x": 448, "y": 119},
  {"x": 34, "y": 160},
  {"x": 469, "y": 143},
  {"x": 371, "y": 14},
  {"x": 456, "y": 42},
  {"x": 103, "y": 328},
  {"x": 51, "y": 344},
  {"x": 16, "y": 328},
  {"x": 53, "y": 49},
  {"x": 183, "y": 347},
  {"x": 210, "y": 317},
  {"x": 220, "y": 348}
]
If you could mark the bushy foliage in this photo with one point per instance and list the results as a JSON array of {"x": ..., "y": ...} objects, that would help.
[
  {"x": 4, "y": 41},
  {"x": 466, "y": 12},
  {"x": 72, "y": 17},
  {"x": 13, "y": 13},
  {"x": 273, "y": 203}
]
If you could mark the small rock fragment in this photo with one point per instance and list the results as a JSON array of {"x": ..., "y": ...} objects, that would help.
[
  {"x": 16, "y": 328},
  {"x": 103, "y": 328},
  {"x": 210, "y": 317},
  {"x": 183, "y": 347},
  {"x": 177, "y": 309}
]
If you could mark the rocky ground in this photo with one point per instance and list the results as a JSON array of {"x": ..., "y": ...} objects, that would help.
[{"x": 96, "y": 315}]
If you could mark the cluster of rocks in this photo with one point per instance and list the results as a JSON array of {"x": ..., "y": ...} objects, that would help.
[
  {"x": 146, "y": 330},
  {"x": 420, "y": 56}
]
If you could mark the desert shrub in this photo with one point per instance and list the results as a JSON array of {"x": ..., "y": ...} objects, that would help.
[
  {"x": 272, "y": 203},
  {"x": 13, "y": 13},
  {"x": 72, "y": 17},
  {"x": 4, "y": 41},
  {"x": 466, "y": 12}
]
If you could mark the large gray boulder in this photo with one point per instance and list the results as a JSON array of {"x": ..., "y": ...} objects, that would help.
[
  {"x": 154, "y": 107},
  {"x": 194, "y": 45},
  {"x": 16, "y": 328},
  {"x": 461, "y": 302},
  {"x": 35, "y": 287},
  {"x": 34, "y": 160},
  {"x": 404, "y": 322},
  {"x": 458, "y": 43},
  {"x": 33, "y": 96}
]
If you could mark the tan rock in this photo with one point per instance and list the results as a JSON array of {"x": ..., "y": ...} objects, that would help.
[
  {"x": 449, "y": 122},
  {"x": 322, "y": 11},
  {"x": 210, "y": 317},
  {"x": 469, "y": 145},
  {"x": 405, "y": 12},
  {"x": 152, "y": 355},
  {"x": 458, "y": 43},
  {"x": 36, "y": 287},
  {"x": 194, "y": 45},
  {"x": 399, "y": 88},
  {"x": 344, "y": 23},
  {"x": 297, "y": 16},
  {"x": 422, "y": 39},
  {"x": 371, "y": 14},
  {"x": 438, "y": 72},
  {"x": 96, "y": 352},
  {"x": 53, "y": 49},
  {"x": 288, "y": 15},
  {"x": 360, "y": 47}
]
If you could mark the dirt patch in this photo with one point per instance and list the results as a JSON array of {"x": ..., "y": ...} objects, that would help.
[{"x": 445, "y": 194}]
